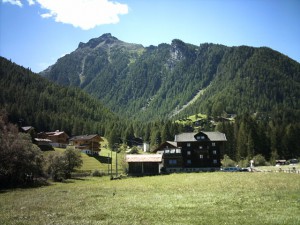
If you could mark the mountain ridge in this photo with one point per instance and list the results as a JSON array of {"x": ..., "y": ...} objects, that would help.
[{"x": 152, "y": 82}]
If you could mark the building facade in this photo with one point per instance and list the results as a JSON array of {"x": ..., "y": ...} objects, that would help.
[
  {"x": 89, "y": 144},
  {"x": 58, "y": 138},
  {"x": 191, "y": 152},
  {"x": 149, "y": 164}
]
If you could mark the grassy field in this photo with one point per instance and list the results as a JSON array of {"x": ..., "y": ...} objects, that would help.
[{"x": 194, "y": 198}]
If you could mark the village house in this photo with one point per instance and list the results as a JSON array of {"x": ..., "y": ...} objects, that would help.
[
  {"x": 189, "y": 152},
  {"x": 58, "y": 138},
  {"x": 89, "y": 144}
]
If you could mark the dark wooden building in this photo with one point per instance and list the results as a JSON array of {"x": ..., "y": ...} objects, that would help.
[{"x": 193, "y": 152}]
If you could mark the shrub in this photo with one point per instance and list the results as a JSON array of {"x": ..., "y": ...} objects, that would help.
[
  {"x": 20, "y": 160},
  {"x": 56, "y": 166},
  {"x": 244, "y": 163},
  {"x": 134, "y": 150},
  {"x": 228, "y": 162},
  {"x": 60, "y": 165},
  {"x": 97, "y": 173},
  {"x": 259, "y": 160}
]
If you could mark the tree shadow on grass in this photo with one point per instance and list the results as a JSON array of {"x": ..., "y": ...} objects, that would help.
[
  {"x": 102, "y": 159},
  {"x": 35, "y": 183}
]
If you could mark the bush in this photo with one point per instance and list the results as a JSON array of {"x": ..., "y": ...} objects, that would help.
[
  {"x": 228, "y": 162},
  {"x": 56, "y": 166},
  {"x": 134, "y": 150},
  {"x": 244, "y": 163},
  {"x": 259, "y": 160},
  {"x": 97, "y": 173},
  {"x": 60, "y": 165},
  {"x": 20, "y": 160}
]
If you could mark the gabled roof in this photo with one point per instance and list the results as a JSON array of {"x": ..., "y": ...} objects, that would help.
[
  {"x": 215, "y": 136},
  {"x": 144, "y": 158},
  {"x": 27, "y": 128},
  {"x": 85, "y": 137},
  {"x": 56, "y": 133},
  {"x": 167, "y": 144},
  {"x": 42, "y": 140},
  {"x": 53, "y": 133},
  {"x": 191, "y": 136}
]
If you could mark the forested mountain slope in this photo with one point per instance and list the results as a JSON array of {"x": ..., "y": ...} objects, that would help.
[
  {"x": 29, "y": 99},
  {"x": 158, "y": 82}
]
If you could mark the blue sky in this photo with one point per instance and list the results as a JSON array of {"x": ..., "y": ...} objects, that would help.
[{"x": 35, "y": 33}]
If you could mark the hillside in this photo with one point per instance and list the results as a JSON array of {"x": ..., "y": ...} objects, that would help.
[
  {"x": 29, "y": 99},
  {"x": 159, "y": 82}
]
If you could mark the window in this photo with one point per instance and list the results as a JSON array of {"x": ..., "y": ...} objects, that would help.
[
  {"x": 202, "y": 137},
  {"x": 213, "y": 144},
  {"x": 172, "y": 161},
  {"x": 167, "y": 151},
  {"x": 178, "y": 150},
  {"x": 201, "y": 156},
  {"x": 189, "y": 161},
  {"x": 200, "y": 147},
  {"x": 198, "y": 137},
  {"x": 188, "y": 152},
  {"x": 172, "y": 151},
  {"x": 214, "y": 152},
  {"x": 188, "y": 144},
  {"x": 215, "y": 161}
]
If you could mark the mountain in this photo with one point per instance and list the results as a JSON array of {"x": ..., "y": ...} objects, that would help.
[
  {"x": 160, "y": 82},
  {"x": 30, "y": 99}
]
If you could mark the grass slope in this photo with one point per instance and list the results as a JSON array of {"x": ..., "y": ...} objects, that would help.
[
  {"x": 91, "y": 163},
  {"x": 195, "y": 198}
]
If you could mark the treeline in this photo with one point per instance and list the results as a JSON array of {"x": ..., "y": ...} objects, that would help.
[
  {"x": 273, "y": 136},
  {"x": 153, "y": 133},
  {"x": 30, "y": 100}
]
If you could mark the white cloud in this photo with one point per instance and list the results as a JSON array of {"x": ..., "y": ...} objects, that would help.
[
  {"x": 46, "y": 15},
  {"x": 31, "y": 2},
  {"x": 13, "y": 2},
  {"x": 85, "y": 14}
]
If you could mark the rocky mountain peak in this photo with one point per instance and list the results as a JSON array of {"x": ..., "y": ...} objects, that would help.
[
  {"x": 176, "y": 50},
  {"x": 107, "y": 39}
]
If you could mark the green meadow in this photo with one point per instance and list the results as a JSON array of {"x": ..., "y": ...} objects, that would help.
[{"x": 192, "y": 198}]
